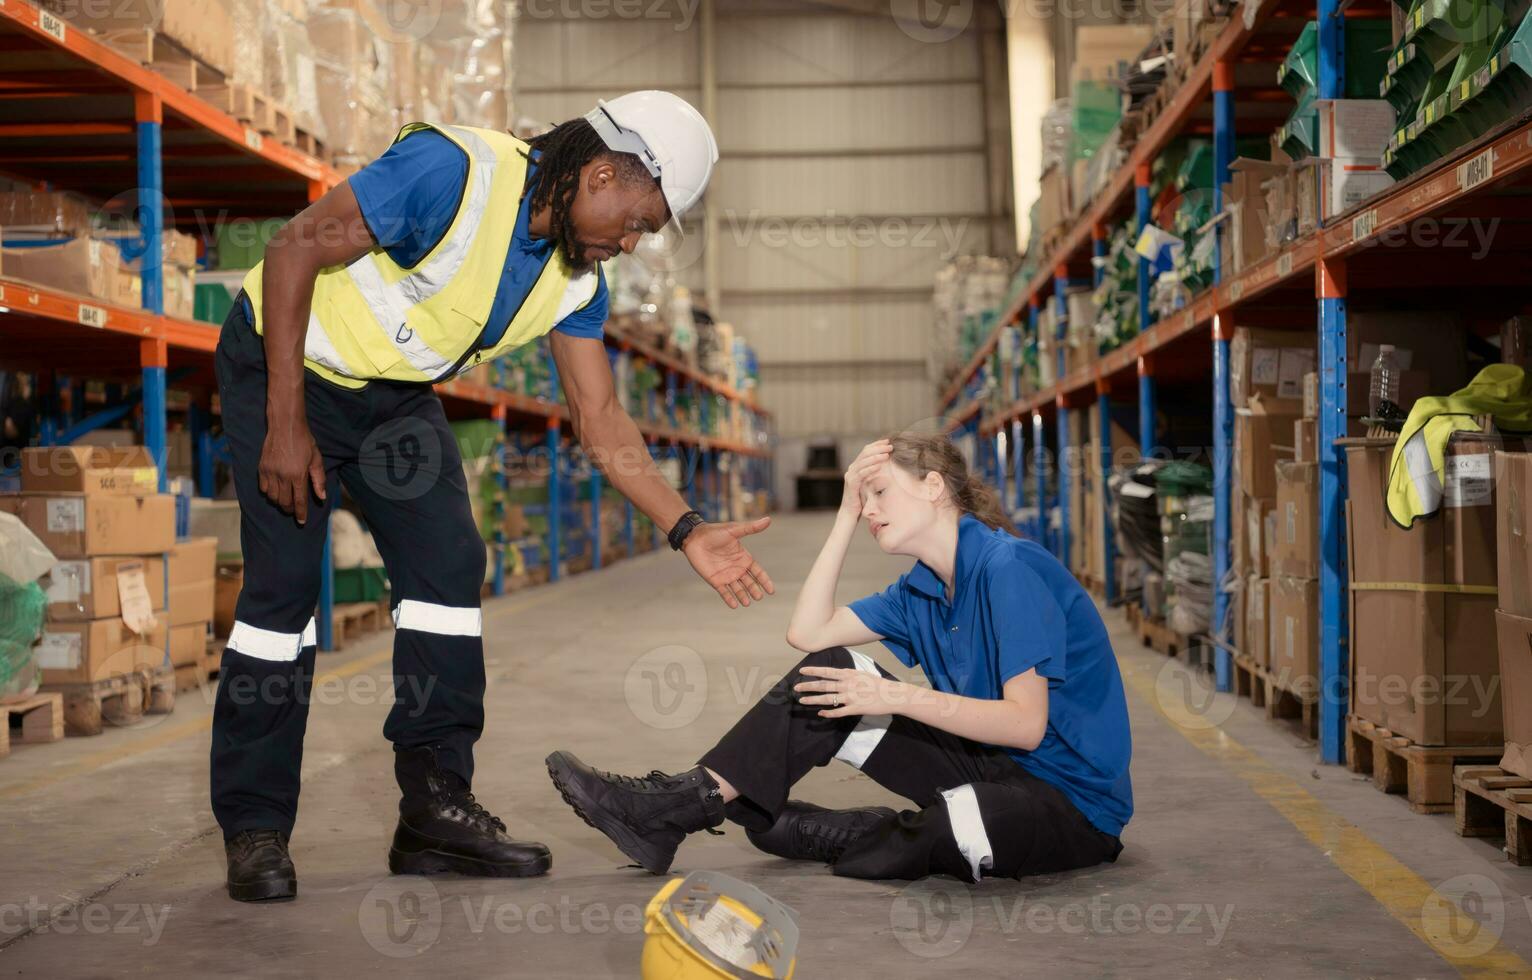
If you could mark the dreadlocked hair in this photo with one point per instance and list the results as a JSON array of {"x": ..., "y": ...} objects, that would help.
[
  {"x": 564, "y": 151},
  {"x": 922, "y": 454}
]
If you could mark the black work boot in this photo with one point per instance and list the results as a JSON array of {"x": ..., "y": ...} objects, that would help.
[
  {"x": 805, "y": 832},
  {"x": 647, "y": 817},
  {"x": 260, "y": 869},
  {"x": 442, "y": 828}
]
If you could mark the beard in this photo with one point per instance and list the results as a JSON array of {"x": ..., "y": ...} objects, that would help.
[{"x": 566, "y": 239}]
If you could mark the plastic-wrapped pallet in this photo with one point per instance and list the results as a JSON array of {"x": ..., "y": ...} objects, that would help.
[
  {"x": 248, "y": 64},
  {"x": 351, "y": 69},
  {"x": 290, "y": 74},
  {"x": 1057, "y": 133}
]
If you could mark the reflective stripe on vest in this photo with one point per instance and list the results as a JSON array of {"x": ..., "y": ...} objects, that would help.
[{"x": 376, "y": 319}]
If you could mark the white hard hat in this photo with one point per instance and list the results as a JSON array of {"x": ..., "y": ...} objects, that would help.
[{"x": 668, "y": 135}]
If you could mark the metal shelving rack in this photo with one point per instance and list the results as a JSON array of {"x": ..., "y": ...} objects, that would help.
[
  {"x": 78, "y": 115},
  {"x": 1346, "y": 256}
]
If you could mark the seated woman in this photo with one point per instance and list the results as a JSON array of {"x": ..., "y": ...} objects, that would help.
[{"x": 1017, "y": 756}]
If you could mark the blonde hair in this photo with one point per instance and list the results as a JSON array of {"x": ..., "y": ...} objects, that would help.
[{"x": 922, "y": 454}]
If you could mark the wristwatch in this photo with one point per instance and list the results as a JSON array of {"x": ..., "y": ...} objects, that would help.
[{"x": 683, "y": 529}]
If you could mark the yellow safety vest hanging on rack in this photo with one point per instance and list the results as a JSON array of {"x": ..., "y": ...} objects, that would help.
[
  {"x": 376, "y": 319},
  {"x": 1417, "y": 471}
]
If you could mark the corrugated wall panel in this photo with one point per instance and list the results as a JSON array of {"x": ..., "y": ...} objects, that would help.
[
  {"x": 939, "y": 183},
  {"x": 772, "y": 49},
  {"x": 859, "y": 118},
  {"x": 626, "y": 53},
  {"x": 787, "y": 331},
  {"x": 764, "y": 252}
]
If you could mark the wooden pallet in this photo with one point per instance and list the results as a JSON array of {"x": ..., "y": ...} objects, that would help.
[
  {"x": 1249, "y": 680},
  {"x": 1487, "y": 801},
  {"x": 121, "y": 700},
  {"x": 1423, "y": 773},
  {"x": 354, "y": 620},
  {"x": 1153, "y": 633},
  {"x": 36, "y": 718},
  {"x": 243, "y": 102},
  {"x": 165, "y": 57}
]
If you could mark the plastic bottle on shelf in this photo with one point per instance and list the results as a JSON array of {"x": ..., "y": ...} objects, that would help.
[{"x": 1385, "y": 380}]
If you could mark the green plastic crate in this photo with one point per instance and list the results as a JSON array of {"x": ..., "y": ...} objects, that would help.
[
  {"x": 360, "y": 584},
  {"x": 241, "y": 244},
  {"x": 1368, "y": 42}
]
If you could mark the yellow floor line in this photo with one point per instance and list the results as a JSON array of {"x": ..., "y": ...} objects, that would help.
[
  {"x": 1432, "y": 915},
  {"x": 151, "y": 741}
]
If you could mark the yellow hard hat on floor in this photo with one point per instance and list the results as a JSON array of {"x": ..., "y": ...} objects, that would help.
[{"x": 710, "y": 925}]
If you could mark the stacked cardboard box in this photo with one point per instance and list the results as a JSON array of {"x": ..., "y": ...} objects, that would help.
[
  {"x": 97, "y": 510},
  {"x": 1423, "y": 600},
  {"x": 1513, "y": 548},
  {"x": 1266, "y": 374},
  {"x": 191, "y": 579},
  {"x": 1353, "y": 133}
]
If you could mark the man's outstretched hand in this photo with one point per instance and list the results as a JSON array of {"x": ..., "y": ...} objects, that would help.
[{"x": 715, "y": 552}]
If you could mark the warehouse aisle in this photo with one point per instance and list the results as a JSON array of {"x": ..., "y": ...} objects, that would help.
[{"x": 1245, "y": 858}]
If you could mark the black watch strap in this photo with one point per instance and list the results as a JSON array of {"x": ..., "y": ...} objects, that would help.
[{"x": 683, "y": 528}]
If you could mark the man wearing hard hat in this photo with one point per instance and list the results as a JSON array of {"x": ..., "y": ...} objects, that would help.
[{"x": 453, "y": 247}]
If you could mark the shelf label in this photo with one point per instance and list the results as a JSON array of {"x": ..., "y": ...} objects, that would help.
[
  {"x": 51, "y": 25},
  {"x": 252, "y": 139},
  {"x": 1364, "y": 224},
  {"x": 92, "y": 316},
  {"x": 1236, "y": 289},
  {"x": 1284, "y": 265},
  {"x": 1472, "y": 173}
]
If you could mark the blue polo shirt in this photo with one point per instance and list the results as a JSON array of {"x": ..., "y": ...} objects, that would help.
[
  {"x": 408, "y": 197},
  {"x": 1015, "y": 608}
]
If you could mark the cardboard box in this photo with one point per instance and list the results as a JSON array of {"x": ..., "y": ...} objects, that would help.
[
  {"x": 192, "y": 565},
  {"x": 230, "y": 579},
  {"x": 188, "y": 644},
  {"x": 1515, "y": 645},
  {"x": 1263, "y": 434},
  {"x": 1345, "y": 182},
  {"x": 1253, "y": 531},
  {"x": 1257, "y": 645},
  {"x": 1423, "y": 601},
  {"x": 1456, "y": 546},
  {"x": 1358, "y": 128},
  {"x": 1297, "y": 520},
  {"x": 84, "y": 266},
  {"x": 202, "y": 27},
  {"x": 1311, "y": 395},
  {"x": 1293, "y": 627},
  {"x": 50, "y": 213},
  {"x": 1239, "y": 549},
  {"x": 1513, "y": 531},
  {"x": 86, "y": 525},
  {"x": 79, "y": 653},
  {"x": 1102, "y": 50},
  {"x": 1425, "y": 665},
  {"x": 1269, "y": 362},
  {"x": 1053, "y": 199},
  {"x": 86, "y": 588},
  {"x": 1245, "y": 200},
  {"x": 1306, "y": 440},
  {"x": 89, "y": 469}
]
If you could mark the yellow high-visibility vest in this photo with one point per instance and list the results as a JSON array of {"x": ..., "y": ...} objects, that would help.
[{"x": 376, "y": 319}]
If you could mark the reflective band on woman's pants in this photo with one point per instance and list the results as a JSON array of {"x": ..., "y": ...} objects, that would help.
[
  {"x": 871, "y": 729},
  {"x": 968, "y": 827}
]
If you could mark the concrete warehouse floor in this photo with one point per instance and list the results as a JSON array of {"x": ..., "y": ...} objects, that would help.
[{"x": 1245, "y": 858}]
